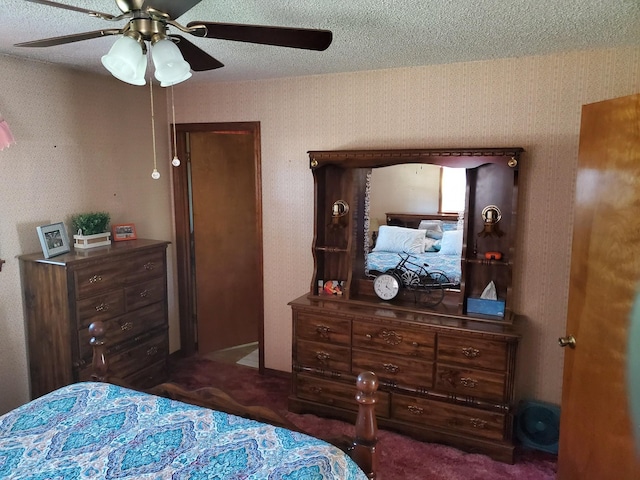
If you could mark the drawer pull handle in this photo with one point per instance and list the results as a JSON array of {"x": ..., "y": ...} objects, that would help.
[
  {"x": 323, "y": 331},
  {"x": 152, "y": 351},
  {"x": 149, "y": 266},
  {"x": 390, "y": 367},
  {"x": 368, "y": 336},
  {"x": 468, "y": 382},
  {"x": 414, "y": 410},
  {"x": 315, "y": 389},
  {"x": 470, "y": 352},
  {"x": 95, "y": 279},
  {"x": 126, "y": 326},
  {"x": 478, "y": 423},
  {"x": 144, "y": 293},
  {"x": 322, "y": 357},
  {"x": 390, "y": 337},
  {"x": 103, "y": 307},
  {"x": 415, "y": 344}
]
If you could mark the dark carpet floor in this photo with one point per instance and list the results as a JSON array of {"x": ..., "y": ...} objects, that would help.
[{"x": 402, "y": 458}]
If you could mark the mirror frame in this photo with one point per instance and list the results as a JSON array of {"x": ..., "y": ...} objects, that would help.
[{"x": 343, "y": 174}]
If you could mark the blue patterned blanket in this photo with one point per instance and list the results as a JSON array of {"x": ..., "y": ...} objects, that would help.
[
  {"x": 101, "y": 431},
  {"x": 449, "y": 264}
]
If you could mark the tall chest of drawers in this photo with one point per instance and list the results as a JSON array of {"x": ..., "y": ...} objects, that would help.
[
  {"x": 444, "y": 378},
  {"x": 123, "y": 285}
]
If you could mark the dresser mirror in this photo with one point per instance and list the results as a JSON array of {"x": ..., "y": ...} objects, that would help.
[
  {"x": 375, "y": 183},
  {"x": 413, "y": 190}
]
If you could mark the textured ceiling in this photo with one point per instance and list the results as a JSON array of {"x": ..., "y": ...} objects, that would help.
[{"x": 368, "y": 34}]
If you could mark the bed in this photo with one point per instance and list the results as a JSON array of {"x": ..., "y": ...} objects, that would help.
[
  {"x": 431, "y": 239},
  {"x": 100, "y": 430}
]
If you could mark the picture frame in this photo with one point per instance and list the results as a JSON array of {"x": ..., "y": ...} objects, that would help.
[
  {"x": 124, "y": 231},
  {"x": 53, "y": 239}
]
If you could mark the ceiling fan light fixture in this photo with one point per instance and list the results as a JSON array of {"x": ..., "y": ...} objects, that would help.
[
  {"x": 171, "y": 68},
  {"x": 126, "y": 61}
]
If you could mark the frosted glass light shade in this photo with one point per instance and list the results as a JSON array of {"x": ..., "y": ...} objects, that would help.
[
  {"x": 126, "y": 61},
  {"x": 171, "y": 68}
]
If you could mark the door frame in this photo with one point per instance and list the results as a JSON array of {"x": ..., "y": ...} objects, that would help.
[{"x": 184, "y": 246}]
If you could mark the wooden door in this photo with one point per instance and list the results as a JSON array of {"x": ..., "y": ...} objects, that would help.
[
  {"x": 219, "y": 236},
  {"x": 596, "y": 440}
]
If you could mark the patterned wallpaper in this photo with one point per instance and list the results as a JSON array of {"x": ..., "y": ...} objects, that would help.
[
  {"x": 532, "y": 102},
  {"x": 83, "y": 144}
]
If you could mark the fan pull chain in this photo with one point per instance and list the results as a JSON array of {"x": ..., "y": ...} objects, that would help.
[
  {"x": 155, "y": 174},
  {"x": 176, "y": 161}
]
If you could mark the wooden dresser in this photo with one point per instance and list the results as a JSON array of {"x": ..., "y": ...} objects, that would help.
[
  {"x": 124, "y": 285},
  {"x": 443, "y": 378},
  {"x": 447, "y": 371}
]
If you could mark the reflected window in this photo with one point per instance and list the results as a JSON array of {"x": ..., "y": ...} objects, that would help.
[{"x": 453, "y": 185}]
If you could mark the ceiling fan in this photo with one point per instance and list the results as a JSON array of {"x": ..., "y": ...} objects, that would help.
[{"x": 173, "y": 55}]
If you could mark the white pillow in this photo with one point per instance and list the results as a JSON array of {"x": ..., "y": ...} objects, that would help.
[
  {"x": 433, "y": 228},
  {"x": 399, "y": 239},
  {"x": 451, "y": 243},
  {"x": 431, "y": 244}
]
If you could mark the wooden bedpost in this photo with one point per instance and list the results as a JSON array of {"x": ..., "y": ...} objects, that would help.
[
  {"x": 99, "y": 363},
  {"x": 364, "y": 451}
]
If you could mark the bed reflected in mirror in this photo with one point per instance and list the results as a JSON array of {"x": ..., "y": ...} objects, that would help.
[{"x": 416, "y": 209}]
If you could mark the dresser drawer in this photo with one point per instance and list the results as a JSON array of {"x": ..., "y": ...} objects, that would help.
[
  {"x": 149, "y": 377},
  {"x": 145, "y": 267},
  {"x": 336, "y": 394},
  {"x": 125, "y": 328},
  {"x": 323, "y": 328},
  {"x": 472, "y": 352},
  {"x": 98, "y": 278},
  {"x": 395, "y": 340},
  {"x": 142, "y": 355},
  {"x": 324, "y": 356},
  {"x": 401, "y": 371},
  {"x": 100, "y": 307},
  {"x": 474, "y": 383},
  {"x": 481, "y": 423},
  {"x": 140, "y": 295}
]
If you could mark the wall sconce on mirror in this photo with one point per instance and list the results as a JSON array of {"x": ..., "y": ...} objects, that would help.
[
  {"x": 491, "y": 215},
  {"x": 339, "y": 210}
]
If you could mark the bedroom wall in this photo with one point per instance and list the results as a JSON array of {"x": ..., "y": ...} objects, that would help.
[
  {"x": 404, "y": 188},
  {"x": 83, "y": 144},
  {"x": 532, "y": 102}
]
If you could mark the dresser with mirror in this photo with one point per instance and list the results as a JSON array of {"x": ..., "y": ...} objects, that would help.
[{"x": 416, "y": 287}]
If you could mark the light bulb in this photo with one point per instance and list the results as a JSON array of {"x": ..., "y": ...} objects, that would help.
[
  {"x": 155, "y": 174},
  {"x": 176, "y": 161}
]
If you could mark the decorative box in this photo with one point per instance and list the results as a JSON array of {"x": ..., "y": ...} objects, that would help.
[{"x": 92, "y": 241}]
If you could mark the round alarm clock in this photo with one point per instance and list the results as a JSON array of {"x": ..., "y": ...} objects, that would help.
[{"x": 387, "y": 286}]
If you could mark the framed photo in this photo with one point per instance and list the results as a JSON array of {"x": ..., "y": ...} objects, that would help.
[
  {"x": 124, "y": 231},
  {"x": 53, "y": 239}
]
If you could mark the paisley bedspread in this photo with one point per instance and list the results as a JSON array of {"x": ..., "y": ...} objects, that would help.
[{"x": 102, "y": 431}]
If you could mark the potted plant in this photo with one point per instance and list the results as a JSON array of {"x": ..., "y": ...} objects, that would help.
[{"x": 91, "y": 229}]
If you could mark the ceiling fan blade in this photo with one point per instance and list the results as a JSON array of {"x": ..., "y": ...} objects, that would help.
[
  {"x": 280, "y": 36},
  {"x": 76, "y": 37},
  {"x": 171, "y": 7},
  {"x": 198, "y": 59},
  {"x": 106, "y": 16}
]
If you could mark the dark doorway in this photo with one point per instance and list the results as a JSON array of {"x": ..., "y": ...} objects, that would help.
[{"x": 218, "y": 211}]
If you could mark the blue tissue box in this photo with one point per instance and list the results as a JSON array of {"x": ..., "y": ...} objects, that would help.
[{"x": 485, "y": 307}]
